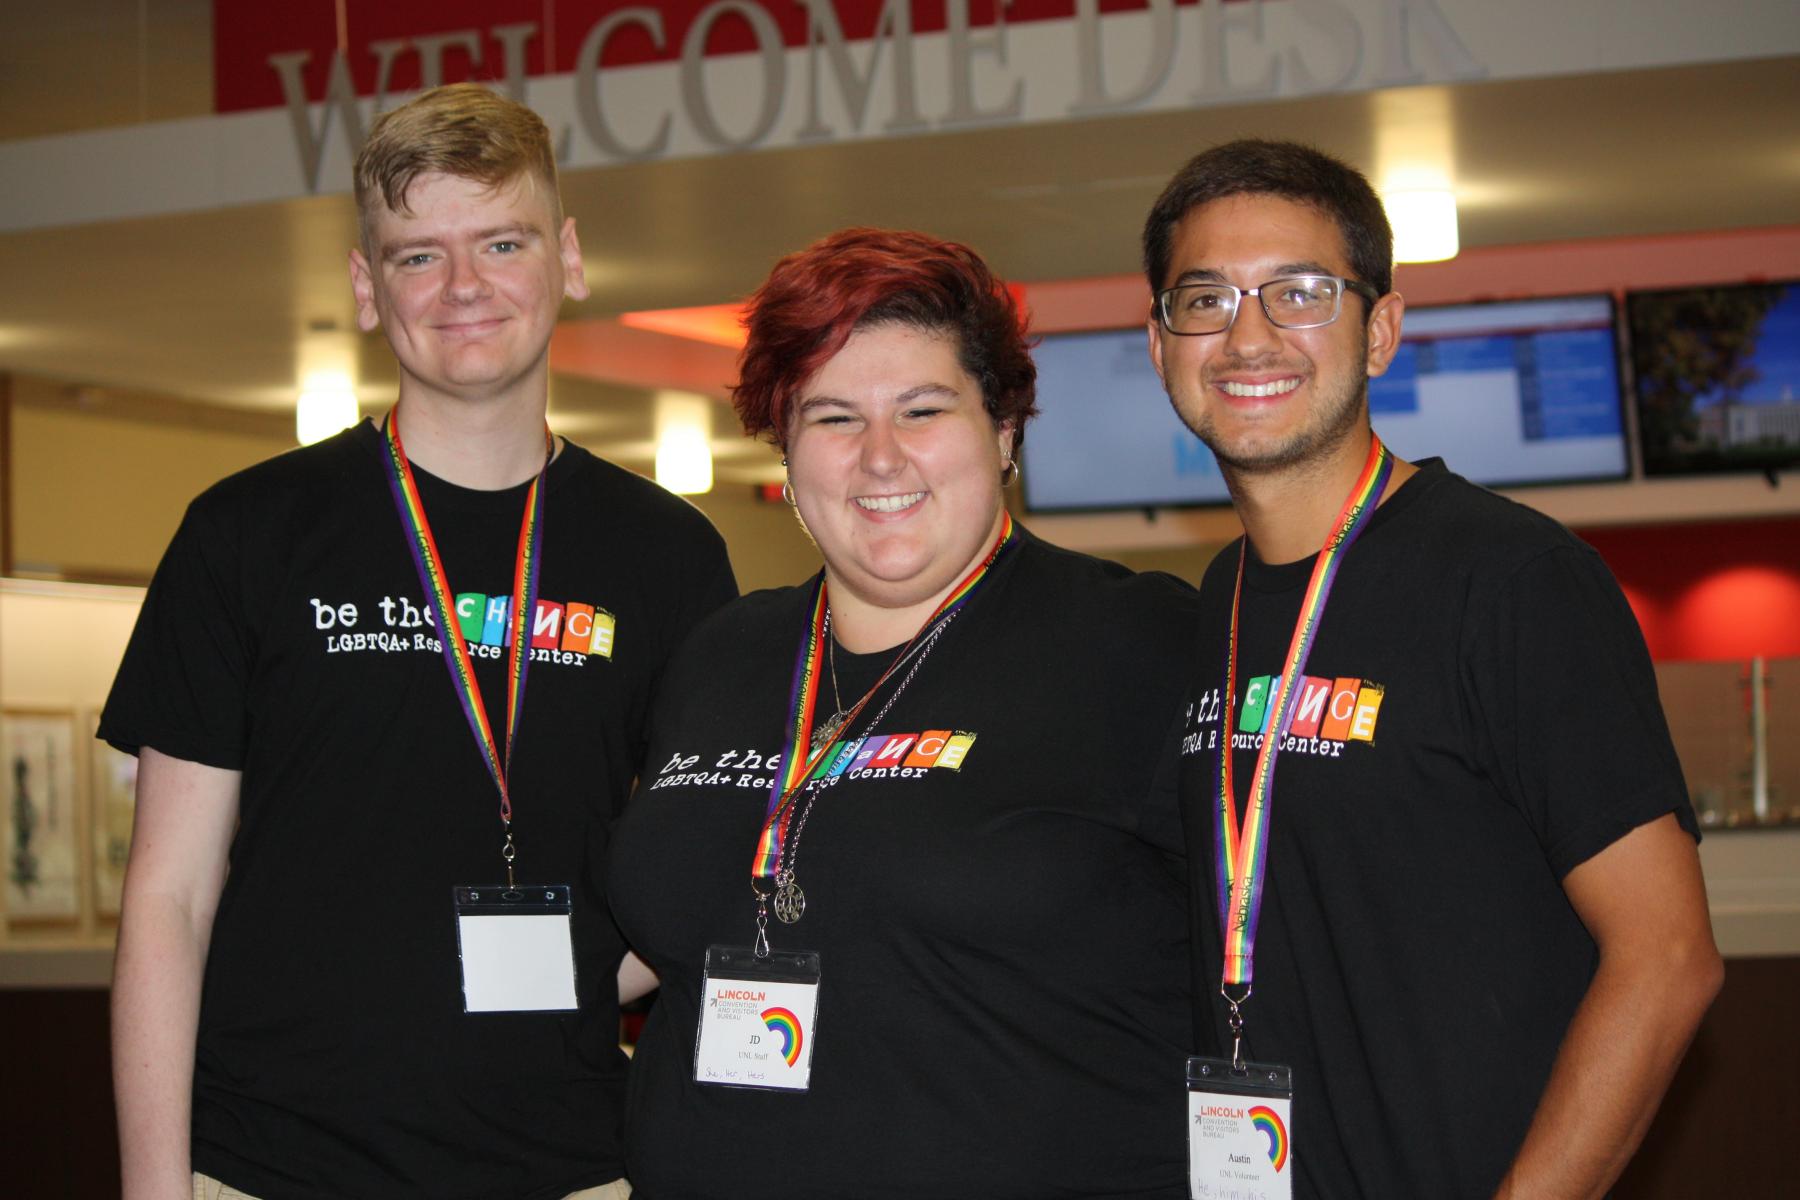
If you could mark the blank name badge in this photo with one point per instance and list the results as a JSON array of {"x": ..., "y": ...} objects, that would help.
[{"x": 516, "y": 952}]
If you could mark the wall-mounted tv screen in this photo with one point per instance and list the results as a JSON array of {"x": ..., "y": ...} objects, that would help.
[
  {"x": 1511, "y": 392},
  {"x": 1717, "y": 373},
  {"x": 1105, "y": 436},
  {"x": 1506, "y": 393}
]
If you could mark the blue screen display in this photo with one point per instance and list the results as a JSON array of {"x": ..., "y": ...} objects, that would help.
[{"x": 1506, "y": 393}]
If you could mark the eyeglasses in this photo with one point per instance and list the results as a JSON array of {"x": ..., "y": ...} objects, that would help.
[{"x": 1291, "y": 302}]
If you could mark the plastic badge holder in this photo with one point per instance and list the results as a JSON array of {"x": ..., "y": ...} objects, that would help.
[
  {"x": 1238, "y": 1130},
  {"x": 758, "y": 1019},
  {"x": 515, "y": 948}
]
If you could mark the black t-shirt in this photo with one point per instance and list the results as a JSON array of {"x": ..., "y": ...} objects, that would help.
[
  {"x": 1003, "y": 1007},
  {"x": 1480, "y": 717},
  {"x": 284, "y": 636}
]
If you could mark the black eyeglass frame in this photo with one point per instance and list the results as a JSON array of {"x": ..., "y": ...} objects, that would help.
[{"x": 1160, "y": 306}]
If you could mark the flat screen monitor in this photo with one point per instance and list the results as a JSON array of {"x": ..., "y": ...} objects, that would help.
[
  {"x": 1507, "y": 393},
  {"x": 1717, "y": 377}
]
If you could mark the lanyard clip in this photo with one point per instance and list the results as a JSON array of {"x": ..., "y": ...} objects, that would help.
[
  {"x": 1236, "y": 1020},
  {"x": 509, "y": 852},
  {"x": 762, "y": 920}
]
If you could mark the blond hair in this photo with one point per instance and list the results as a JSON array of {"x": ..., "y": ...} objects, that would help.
[{"x": 461, "y": 129}]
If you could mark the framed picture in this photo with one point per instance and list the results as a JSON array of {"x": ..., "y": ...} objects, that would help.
[
  {"x": 41, "y": 819},
  {"x": 114, "y": 789}
]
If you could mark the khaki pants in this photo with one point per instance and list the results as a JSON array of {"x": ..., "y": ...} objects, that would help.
[{"x": 208, "y": 1188}]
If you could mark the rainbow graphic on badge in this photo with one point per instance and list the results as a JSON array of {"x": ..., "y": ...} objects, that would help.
[
  {"x": 785, "y": 1023},
  {"x": 1269, "y": 1121}
]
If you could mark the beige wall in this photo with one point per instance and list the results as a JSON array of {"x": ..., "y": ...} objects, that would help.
[
  {"x": 768, "y": 546},
  {"x": 100, "y": 496}
]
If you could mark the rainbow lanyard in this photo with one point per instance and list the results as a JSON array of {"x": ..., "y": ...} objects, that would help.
[
  {"x": 527, "y": 564},
  {"x": 1242, "y": 854},
  {"x": 796, "y": 763}
]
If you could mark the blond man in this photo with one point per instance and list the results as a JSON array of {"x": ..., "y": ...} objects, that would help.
[{"x": 388, "y": 692}]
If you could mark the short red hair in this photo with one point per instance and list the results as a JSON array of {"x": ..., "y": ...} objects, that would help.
[{"x": 860, "y": 278}]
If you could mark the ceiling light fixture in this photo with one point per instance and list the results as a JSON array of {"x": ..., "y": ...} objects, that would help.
[
  {"x": 684, "y": 443},
  {"x": 327, "y": 404},
  {"x": 1424, "y": 224}
]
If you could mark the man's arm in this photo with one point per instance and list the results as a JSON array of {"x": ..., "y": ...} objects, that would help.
[
  {"x": 186, "y": 814},
  {"x": 1643, "y": 901}
]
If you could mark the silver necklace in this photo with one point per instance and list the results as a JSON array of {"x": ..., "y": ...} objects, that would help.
[
  {"x": 827, "y": 730},
  {"x": 825, "y": 734},
  {"x": 789, "y": 900}
]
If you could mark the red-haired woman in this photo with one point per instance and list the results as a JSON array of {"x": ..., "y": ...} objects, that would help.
[{"x": 906, "y": 856}]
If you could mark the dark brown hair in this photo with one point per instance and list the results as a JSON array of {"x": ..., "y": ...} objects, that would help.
[{"x": 1291, "y": 171}]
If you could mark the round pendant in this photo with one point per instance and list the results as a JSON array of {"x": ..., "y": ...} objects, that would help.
[
  {"x": 790, "y": 903},
  {"x": 826, "y": 733}
]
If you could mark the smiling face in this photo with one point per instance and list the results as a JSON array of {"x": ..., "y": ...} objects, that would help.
[
  {"x": 895, "y": 467},
  {"x": 467, "y": 285},
  {"x": 1264, "y": 398}
]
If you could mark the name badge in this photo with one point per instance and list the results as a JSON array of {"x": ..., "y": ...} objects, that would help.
[
  {"x": 515, "y": 948},
  {"x": 758, "y": 1019},
  {"x": 1239, "y": 1141}
]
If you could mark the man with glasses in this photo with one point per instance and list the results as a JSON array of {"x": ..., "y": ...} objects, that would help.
[{"x": 1444, "y": 863}]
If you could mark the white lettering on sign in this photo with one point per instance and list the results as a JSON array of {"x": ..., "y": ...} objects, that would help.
[{"x": 819, "y": 91}]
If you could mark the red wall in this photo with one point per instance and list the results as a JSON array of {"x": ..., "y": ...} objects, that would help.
[{"x": 1710, "y": 591}]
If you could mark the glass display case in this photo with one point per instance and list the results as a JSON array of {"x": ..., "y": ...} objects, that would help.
[{"x": 1736, "y": 727}]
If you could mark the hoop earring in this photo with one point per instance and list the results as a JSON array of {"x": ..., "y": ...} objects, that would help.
[
  {"x": 787, "y": 493},
  {"x": 1009, "y": 472}
]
